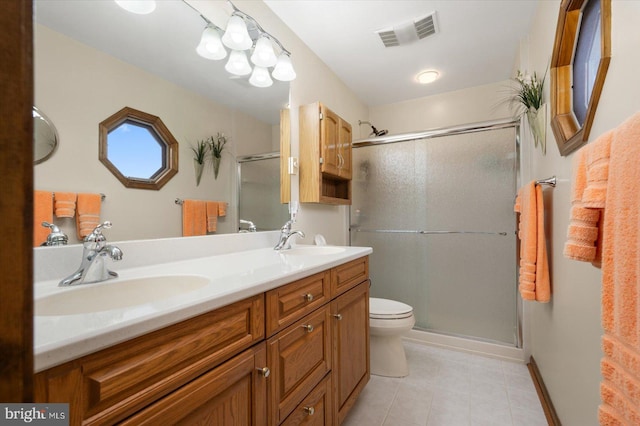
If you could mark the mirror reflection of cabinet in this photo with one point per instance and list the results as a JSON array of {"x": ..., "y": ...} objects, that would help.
[{"x": 325, "y": 156}]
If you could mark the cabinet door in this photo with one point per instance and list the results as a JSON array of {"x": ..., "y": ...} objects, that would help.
[
  {"x": 299, "y": 357},
  {"x": 344, "y": 160},
  {"x": 350, "y": 316},
  {"x": 233, "y": 394},
  {"x": 330, "y": 142}
]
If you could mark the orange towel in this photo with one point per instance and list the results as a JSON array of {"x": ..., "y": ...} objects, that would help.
[
  {"x": 222, "y": 209},
  {"x": 42, "y": 212},
  {"x": 88, "y": 216},
  {"x": 534, "y": 267},
  {"x": 212, "y": 216},
  {"x": 620, "y": 367},
  {"x": 583, "y": 232},
  {"x": 65, "y": 204},
  {"x": 194, "y": 218}
]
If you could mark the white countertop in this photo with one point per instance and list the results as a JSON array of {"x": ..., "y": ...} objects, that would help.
[{"x": 232, "y": 277}]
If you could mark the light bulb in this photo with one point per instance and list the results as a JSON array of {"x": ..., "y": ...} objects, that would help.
[
  {"x": 210, "y": 46},
  {"x": 236, "y": 36},
  {"x": 283, "y": 70},
  {"x": 263, "y": 55},
  {"x": 141, "y": 7},
  {"x": 238, "y": 63},
  {"x": 260, "y": 77}
]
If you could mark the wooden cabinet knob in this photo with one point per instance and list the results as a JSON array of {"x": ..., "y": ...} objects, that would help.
[
  {"x": 308, "y": 297},
  {"x": 308, "y": 327},
  {"x": 264, "y": 371},
  {"x": 338, "y": 317},
  {"x": 309, "y": 410}
]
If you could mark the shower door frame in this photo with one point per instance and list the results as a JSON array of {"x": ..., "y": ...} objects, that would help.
[{"x": 459, "y": 130}]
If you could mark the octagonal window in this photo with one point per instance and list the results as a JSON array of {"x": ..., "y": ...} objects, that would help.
[{"x": 138, "y": 149}]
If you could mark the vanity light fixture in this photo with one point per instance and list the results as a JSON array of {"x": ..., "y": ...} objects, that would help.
[
  {"x": 236, "y": 36},
  {"x": 141, "y": 7},
  {"x": 426, "y": 77},
  {"x": 238, "y": 63},
  {"x": 211, "y": 46},
  {"x": 243, "y": 33},
  {"x": 260, "y": 77}
]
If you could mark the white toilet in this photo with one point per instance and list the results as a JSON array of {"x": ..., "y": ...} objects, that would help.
[{"x": 388, "y": 321}]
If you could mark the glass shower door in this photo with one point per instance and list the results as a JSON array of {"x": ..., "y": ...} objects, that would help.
[{"x": 438, "y": 213}]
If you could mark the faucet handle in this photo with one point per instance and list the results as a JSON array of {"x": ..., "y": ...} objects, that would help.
[
  {"x": 56, "y": 237},
  {"x": 96, "y": 234}
]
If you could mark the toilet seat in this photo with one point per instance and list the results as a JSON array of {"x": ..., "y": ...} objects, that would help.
[{"x": 388, "y": 309}]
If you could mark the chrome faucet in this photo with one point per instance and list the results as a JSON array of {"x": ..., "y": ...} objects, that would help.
[
  {"x": 252, "y": 226},
  {"x": 55, "y": 237},
  {"x": 93, "y": 267},
  {"x": 285, "y": 235}
]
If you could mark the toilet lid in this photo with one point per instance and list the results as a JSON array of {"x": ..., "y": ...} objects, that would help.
[{"x": 389, "y": 309}]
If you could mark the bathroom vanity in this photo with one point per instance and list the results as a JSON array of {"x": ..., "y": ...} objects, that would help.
[{"x": 291, "y": 348}]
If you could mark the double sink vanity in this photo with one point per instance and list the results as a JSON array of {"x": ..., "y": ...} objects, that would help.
[{"x": 235, "y": 334}]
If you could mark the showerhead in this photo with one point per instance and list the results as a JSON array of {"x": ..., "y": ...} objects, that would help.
[{"x": 374, "y": 131}]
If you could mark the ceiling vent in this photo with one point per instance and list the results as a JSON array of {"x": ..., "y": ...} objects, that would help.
[{"x": 409, "y": 32}]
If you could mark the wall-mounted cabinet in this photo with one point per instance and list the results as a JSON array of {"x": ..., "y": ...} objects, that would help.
[{"x": 325, "y": 156}]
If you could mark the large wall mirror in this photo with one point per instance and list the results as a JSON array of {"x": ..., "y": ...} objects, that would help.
[
  {"x": 92, "y": 58},
  {"x": 581, "y": 56}
]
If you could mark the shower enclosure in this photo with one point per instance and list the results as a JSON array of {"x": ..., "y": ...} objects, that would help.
[
  {"x": 438, "y": 211},
  {"x": 259, "y": 192}
]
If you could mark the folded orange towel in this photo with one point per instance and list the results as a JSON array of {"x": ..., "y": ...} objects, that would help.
[
  {"x": 583, "y": 232},
  {"x": 88, "y": 216},
  {"x": 212, "y": 216},
  {"x": 65, "y": 204},
  {"x": 194, "y": 218},
  {"x": 42, "y": 212},
  {"x": 534, "y": 267}
]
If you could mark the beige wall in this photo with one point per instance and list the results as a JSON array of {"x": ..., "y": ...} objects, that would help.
[
  {"x": 565, "y": 333},
  {"x": 78, "y": 87},
  {"x": 314, "y": 82}
]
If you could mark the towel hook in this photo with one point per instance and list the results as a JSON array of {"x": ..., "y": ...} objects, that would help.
[{"x": 551, "y": 181}]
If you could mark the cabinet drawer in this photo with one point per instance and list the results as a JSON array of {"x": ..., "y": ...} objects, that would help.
[
  {"x": 350, "y": 274},
  {"x": 291, "y": 302},
  {"x": 231, "y": 394},
  {"x": 315, "y": 409},
  {"x": 109, "y": 385},
  {"x": 299, "y": 357}
]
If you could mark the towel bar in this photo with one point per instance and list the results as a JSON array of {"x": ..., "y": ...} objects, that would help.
[
  {"x": 420, "y": 231},
  {"x": 102, "y": 196},
  {"x": 548, "y": 181}
]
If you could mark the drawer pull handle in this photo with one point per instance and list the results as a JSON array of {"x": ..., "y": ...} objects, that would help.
[
  {"x": 338, "y": 317},
  {"x": 264, "y": 371},
  {"x": 309, "y": 410},
  {"x": 308, "y": 297},
  {"x": 308, "y": 327}
]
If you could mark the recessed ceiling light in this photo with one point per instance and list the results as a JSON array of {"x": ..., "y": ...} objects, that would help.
[
  {"x": 141, "y": 7},
  {"x": 426, "y": 77}
]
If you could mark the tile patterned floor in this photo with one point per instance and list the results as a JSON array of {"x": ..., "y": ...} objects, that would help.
[{"x": 449, "y": 388}]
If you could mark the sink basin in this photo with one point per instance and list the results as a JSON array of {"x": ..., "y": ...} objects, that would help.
[
  {"x": 109, "y": 295},
  {"x": 313, "y": 250}
]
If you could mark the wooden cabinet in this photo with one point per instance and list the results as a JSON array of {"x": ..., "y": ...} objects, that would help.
[
  {"x": 350, "y": 313},
  {"x": 295, "y": 355},
  {"x": 234, "y": 393},
  {"x": 325, "y": 156}
]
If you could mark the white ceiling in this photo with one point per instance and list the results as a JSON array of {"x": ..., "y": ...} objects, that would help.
[{"x": 476, "y": 44}]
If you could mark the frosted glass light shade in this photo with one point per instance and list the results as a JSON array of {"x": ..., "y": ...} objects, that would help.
[
  {"x": 210, "y": 46},
  {"x": 284, "y": 69},
  {"x": 238, "y": 63},
  {"x": 236, "y": 36},
  {"x": 260, "y": 77},
  {"x": 141, "y": 7},
  {"x": 263, "y": 55}
]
